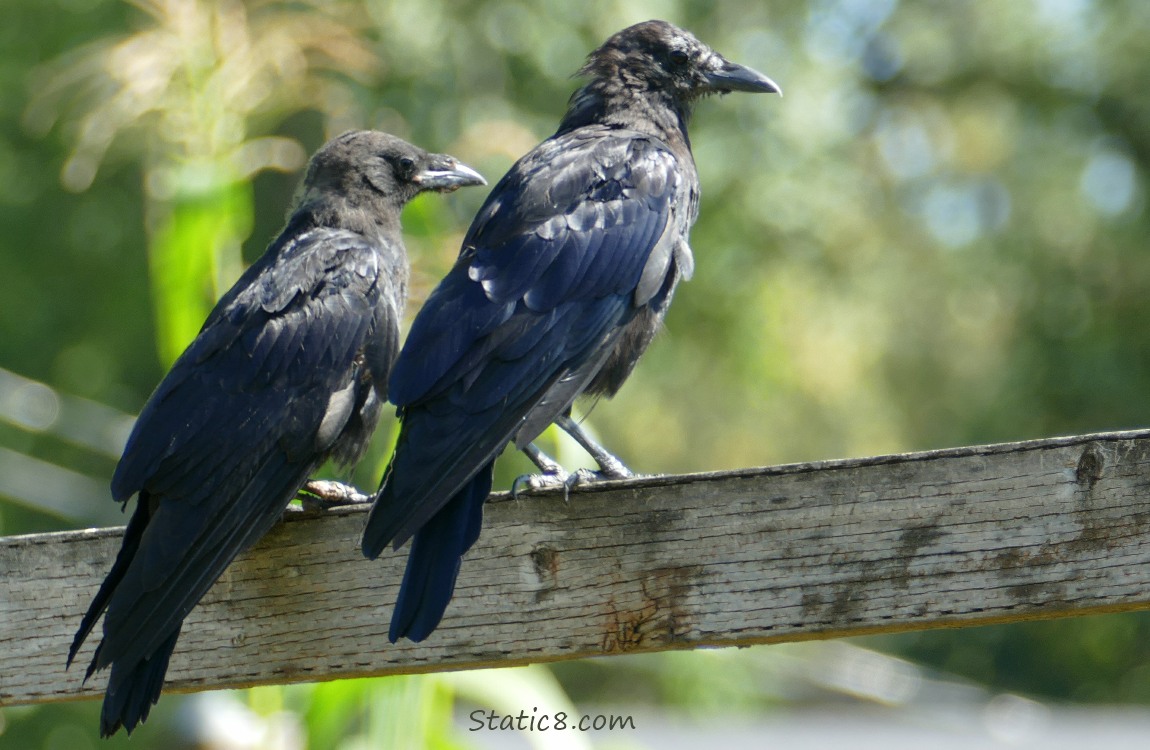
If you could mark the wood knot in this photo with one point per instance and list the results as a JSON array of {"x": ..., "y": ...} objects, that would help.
[
  {"x": 1091, "y": 465},
  {"x": 545, "y": 560}
]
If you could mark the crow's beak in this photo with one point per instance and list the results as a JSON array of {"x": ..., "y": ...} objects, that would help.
[
  {"x": 446, "y": 173},
  {"x": 727, "y": 76}
]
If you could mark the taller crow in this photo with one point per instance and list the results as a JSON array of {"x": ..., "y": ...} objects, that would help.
[
  {"x": 563, "y": 280},
  {"x": 290, "y": 368}
]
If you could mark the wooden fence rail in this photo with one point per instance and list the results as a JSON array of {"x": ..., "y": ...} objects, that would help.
[{"x": 947, "y": 538}]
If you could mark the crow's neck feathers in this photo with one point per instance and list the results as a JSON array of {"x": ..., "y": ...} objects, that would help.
[
  {"x": 362, "y": 211},
  {"x": 623, "y": 100}
]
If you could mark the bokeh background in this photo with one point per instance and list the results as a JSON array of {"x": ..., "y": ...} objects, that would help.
[{"x": 936, "y": 238}]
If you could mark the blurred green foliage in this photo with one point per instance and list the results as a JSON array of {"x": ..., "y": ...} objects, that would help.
[{"x": 936, "y": 238}]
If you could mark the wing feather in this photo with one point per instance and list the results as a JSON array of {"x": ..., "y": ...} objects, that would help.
[
  {"x": 546, "y": 281},
  {"x": 234, "y": 429}
]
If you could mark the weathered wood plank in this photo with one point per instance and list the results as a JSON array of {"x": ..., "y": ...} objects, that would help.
[{"x": 946, "y": 538}]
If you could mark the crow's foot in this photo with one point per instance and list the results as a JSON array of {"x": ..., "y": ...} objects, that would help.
[
  {"x": 552, "y": 475},
  {"x": 568, "y": 481},
  {"x": 324, "y": 494},
  {"x": 539, "y": 482}
]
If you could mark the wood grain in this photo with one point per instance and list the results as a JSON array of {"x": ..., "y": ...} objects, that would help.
[{"x": 946, "y": 538}]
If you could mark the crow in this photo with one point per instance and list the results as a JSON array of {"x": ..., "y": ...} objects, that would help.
[
  {"x": 290, "y": 369},
  {"x": 563, "y": 280}
]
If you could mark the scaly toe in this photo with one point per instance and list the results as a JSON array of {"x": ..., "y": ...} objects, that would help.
[
  {"x": 538, "y": 483},
  {"x": 583, "y": 477},
  {"x": 325, "y": 494}
]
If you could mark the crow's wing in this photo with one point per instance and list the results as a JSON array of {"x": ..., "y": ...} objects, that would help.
[
  {"x": 244, "y": 416},
  {"x": 576, "y": 238}
]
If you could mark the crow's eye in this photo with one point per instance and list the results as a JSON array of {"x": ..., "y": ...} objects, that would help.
[
  {"x": 406, "y": 166},
  {"x": 679, "y": 57}
]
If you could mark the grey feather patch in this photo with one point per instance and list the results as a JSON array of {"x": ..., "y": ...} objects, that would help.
[
  {"x": 655, "y": 271},
  {"x": 338, "y": 411},
  {"x": 684, "y": 259}
]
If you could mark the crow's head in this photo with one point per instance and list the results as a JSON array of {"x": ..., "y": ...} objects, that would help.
[
  {"x": 658, "y": 56},
  {"x": 371, "y": 165}
]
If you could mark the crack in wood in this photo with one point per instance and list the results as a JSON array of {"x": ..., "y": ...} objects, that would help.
[{"x": 964, "y": 536}]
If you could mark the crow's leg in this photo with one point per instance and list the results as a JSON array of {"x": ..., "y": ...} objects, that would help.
[
  {"x": 546, "y": 464},
  {"x": 610, "y": 467},
  {"x": 551, "y": 474}
]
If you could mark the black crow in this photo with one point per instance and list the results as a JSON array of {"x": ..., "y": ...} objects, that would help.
[
  {"x": 291, "y": 368},
  {"x": 564, "y": 278}
]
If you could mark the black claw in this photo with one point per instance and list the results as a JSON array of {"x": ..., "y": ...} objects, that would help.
[{"x": 541, "y": 483}]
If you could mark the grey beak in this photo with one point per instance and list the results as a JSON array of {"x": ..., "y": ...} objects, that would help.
[
  {"x": 446, "y": 173},
  {"x": 729, "y": 76}
]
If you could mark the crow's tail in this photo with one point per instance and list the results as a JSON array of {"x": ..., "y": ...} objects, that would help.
[
  {"x": 134, "y": 688},
  {"x": 433, "y": 563}
]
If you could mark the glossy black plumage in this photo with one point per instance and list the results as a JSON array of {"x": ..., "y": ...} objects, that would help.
[
  {"x": 290, "y": 368},
  {"x": 562, "y": 282}
]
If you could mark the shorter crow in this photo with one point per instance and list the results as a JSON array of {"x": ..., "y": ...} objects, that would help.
[
  {"x": 291, "y": 368},
  {"x": 562, "y": 282}
]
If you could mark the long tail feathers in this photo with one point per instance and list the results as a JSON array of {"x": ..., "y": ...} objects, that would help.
[
  {"x": 146, "y": 623},
  {"x": 133, "y": 690},
  {"x": 132, "y": 534},
  {"x": 433, "y": 563}
]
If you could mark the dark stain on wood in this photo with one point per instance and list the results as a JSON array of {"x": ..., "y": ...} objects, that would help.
[
  {"x": 848, "y": 597},
  {"x": 1091, "y": 466},
  {"x": 910, "y": 541},
  {"x": 1103, "y": 529},
  {"x": 661, "y": 613},
  {"x": 1038, "y": 594},
  {"x": 661, "y": 521},
  {"x": 1015, "y": 560},
  {"x": 812, "y": 604},
  {"x": 545, "y": 562}
]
